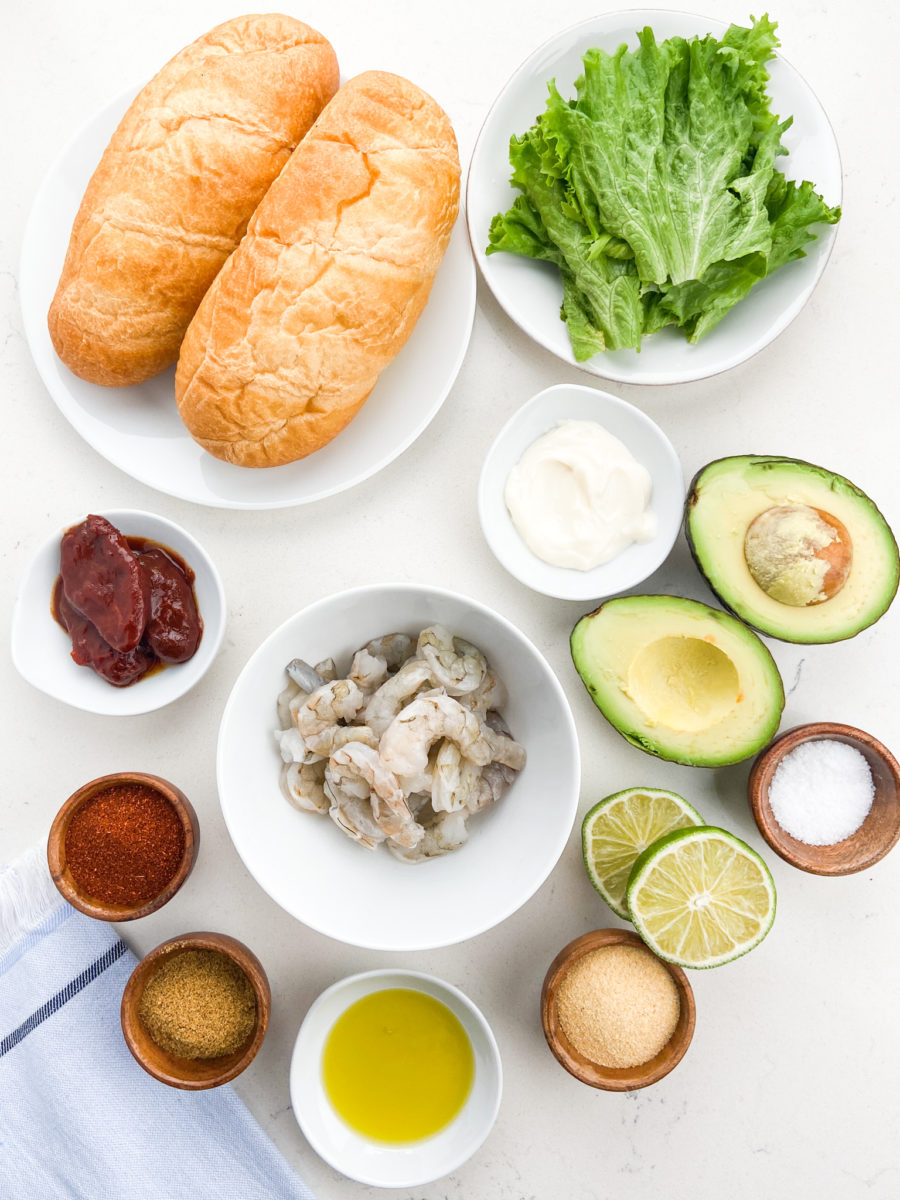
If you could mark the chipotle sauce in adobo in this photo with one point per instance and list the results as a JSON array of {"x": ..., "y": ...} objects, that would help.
[{"x": 127, "y": 603}]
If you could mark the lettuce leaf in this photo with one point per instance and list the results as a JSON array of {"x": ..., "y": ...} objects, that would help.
[{"x": 655, "y": 190}]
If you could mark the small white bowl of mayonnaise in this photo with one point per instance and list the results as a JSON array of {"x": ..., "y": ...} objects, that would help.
[{"x": 581, "y": 494}]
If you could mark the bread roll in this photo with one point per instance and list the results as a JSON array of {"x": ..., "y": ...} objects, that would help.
[
  {"x": 329, "y": 281},
  {"x": 175, "y": 188}
]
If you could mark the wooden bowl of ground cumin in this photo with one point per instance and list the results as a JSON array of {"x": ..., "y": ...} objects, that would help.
[
  {"x": 615, "y": 1015},
  {"x": 196, "y": 1009}
]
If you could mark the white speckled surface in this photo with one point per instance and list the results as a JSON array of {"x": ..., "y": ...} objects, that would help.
[{"x": 789, "y": 1087}]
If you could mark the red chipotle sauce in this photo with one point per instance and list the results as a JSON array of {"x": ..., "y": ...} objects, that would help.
[{"x": 127, "y": 603}]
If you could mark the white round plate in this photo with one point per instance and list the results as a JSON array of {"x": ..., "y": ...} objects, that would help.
[
  {"x": 367, "y": 897},
  {"x": 383, "y": 1165},
  {"x": 42, "y": 650},
  {"x": 640, "y": 435},
  {"x": 138, "y": 429},
  {"x": 531, "y": 292}
]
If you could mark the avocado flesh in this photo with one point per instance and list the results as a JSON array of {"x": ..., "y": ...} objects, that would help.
[
  {"x": 679, "y": 679},
  {"x": 724, "y": 499}
]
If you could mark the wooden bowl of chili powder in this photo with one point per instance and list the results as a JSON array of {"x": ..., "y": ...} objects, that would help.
[{"x": 122, "y": 845}]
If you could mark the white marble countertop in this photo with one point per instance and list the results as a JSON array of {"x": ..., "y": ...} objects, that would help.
[{"x": 789, "y": 1088}]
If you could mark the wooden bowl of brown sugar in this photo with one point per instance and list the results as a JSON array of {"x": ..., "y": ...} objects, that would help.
[
  {"x": 615, "y": 1015},
  {"x": 195, "y": 1010},
  {"x": 122, "y": 845}
]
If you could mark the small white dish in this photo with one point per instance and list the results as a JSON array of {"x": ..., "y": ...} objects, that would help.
[
  {"x": 138, "y": 428},
  {"x": 378, "y": 1164},
  {"x": 367, "y": 897},
  {"x": 531, "y": 292},
  {"x": 41, "y": 648},
  {"x": 640, "y": 435}
]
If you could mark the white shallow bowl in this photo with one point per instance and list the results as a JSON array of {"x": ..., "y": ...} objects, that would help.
[
  {"x": 42, "y": 650},
  {"x": 374, "y": 1163},
  {"x": 648, "y": 444},
  {"x": 531, "y": 292},
  {"x": 369, "y": 898},
  {"x": 138, "y": 428}
]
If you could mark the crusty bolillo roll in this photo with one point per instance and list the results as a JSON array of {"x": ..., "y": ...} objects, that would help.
[
  {"x": 175, "y": 188},
  {"x": 326, "y": 286}
]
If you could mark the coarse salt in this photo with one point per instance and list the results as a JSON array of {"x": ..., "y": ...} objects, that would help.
[{"x": 821, "y": 792}]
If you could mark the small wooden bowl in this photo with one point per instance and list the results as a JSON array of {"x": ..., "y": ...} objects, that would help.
[
  {"x": 193, "y": 1074},
  {"x": 56, "y": 847},
  {"x": 878, "y": 833},
  {"x": 613, "y": 1079}
]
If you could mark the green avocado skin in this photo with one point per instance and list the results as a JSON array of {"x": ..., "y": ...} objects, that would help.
[
  {"x": 643, "y": 739},
  {"x": 739, "y": 605}
]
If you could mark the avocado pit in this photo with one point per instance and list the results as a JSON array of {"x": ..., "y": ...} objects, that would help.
[{"x": 797, "y": 554}]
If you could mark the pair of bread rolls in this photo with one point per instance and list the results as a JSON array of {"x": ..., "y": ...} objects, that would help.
[{"x": 320, "y": 294}]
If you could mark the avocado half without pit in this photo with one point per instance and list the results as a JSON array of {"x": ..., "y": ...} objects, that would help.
[
  {"x": 795, "y": 550},
  {"x": 679, "y": 679}
]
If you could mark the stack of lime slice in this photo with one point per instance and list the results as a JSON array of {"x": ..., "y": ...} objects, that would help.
[{"x": 697, "y": 895}]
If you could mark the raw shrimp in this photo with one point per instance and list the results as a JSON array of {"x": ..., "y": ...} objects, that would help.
[
  {"x": 445, "y": 833},
  {"x": 302, "y": 679},
  {"x": 490, "y": 694},
  {"x": 384, "y": 704},
  {"x": 327, "y": 668},
  {"x": 293, "y": 748},
  {"x": 368, "y": 671},
  {"x": 495, "y": 779},
  {"x": 456, "y": 664},
  {"x": 357, "y": 771},
  {"x": 307, "y": 678},
  {"x": 504, "y": 749},
  {"x": 354, "y": 817},
  {"x": 302, "y": 783},
  {"x": 286, "y": 696},
  {"x": 394, "y": 648},
  {"x": 456, "y": 780},
  {"x": 407, "y": 740},
  {"x": 318, "y": 716}
]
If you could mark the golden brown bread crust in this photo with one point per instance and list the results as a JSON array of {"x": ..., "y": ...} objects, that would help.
[
  {"x": 326, "y": 286},
  {"x": 175, "y": 188}
]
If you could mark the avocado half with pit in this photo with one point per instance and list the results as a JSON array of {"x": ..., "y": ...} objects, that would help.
[
  {"x": 794, "y": 550},
  {"x": 679, "y": 679}
]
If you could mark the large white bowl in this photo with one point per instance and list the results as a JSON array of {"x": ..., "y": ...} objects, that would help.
[
  {"x": 649, "y": 446},
  {"x": 41, "y": 649},
  {"x": 368, "y": 898},
  {"x": 138, "y": 428},
  {"x": 367, "y": 1161},
  {"x": 531, "y": 292}
]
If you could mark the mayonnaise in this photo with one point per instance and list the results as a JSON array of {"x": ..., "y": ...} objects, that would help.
[{"x": 578, "y": 497}]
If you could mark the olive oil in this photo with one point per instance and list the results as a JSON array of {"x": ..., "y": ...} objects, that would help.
[{"x": 398, "y": 1065}]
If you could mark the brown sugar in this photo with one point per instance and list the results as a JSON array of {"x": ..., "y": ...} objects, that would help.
[
  {"x": 199, "y": 1004},
  {"x": 618, "y": 1006}
]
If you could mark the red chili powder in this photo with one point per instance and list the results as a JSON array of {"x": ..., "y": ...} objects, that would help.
[{"x": 125, "y": 844}]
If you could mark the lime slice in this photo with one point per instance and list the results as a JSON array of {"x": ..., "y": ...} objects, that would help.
[
  {"x": 701, "y": 897},
  {"x": 617, "y": 829}
]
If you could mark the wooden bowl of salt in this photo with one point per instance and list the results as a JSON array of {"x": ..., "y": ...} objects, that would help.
[
  {"x": 607, "y": 996},
  {"x": 819, "y": 795}
]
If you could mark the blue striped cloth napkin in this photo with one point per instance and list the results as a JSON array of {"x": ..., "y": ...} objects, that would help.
[{"x": 79, "y": 1119}]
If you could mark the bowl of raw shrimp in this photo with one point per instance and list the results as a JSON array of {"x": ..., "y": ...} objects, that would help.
[{"x": 398, "y": 767}]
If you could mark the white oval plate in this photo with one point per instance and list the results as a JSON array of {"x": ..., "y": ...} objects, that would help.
[
  {"x": 366, "y": 897},
  {"x": 531, "y": 292},
  {"x": 648, "y": 444},
  {"x": 138, "y": 428},
  {"x": 42, "y": 650},
  {"x": 382, "y": 1165}
]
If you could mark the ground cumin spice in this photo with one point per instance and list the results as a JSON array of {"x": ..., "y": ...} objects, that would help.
[
  {"x": 618, "y": 1006},
  {"x": 199, "y": 1004},
  {"x": 124, "y": 845}
]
